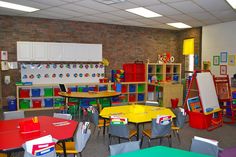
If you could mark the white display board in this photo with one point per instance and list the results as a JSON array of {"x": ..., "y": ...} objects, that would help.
[
  {"x": 207, "y": 91},
  {"x": 61, "y": 73},
  {"x": 219, "y": 38}
]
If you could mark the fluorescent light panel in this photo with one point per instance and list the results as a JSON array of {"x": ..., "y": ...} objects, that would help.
[
  {"x": 179, "y": 25},
  {"x": 232, "y": 3},
  {"x": 143, "y": 12},
  {"x": 17, "y": 7}
]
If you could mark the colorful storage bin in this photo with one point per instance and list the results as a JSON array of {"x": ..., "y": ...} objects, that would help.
[
  {"x": 58, "y": 102},
  {"x": 24, "y": 93},
  {"x": 141, "y": 88},
  {"x": 35, "y": 92},
  {"x": 48, "y": 102},
  {"x": 132, "y": 98},
  {"x": 11, "y": 101},
  {"x": 132, "y": 88},
  {"x": 37, "y": 103},
  {"x": 25, "y": 104},
  {"x": 56, "y": 91},
  {"x": 140, "y": 97},
  {"x": 48, "y": 92}
]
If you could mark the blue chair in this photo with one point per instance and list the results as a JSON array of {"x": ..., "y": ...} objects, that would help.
[{"x": 124, "y": 147}]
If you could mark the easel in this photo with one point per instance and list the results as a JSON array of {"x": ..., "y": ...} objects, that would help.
[
  {"x": 225, "y": 97},
  {"x": 202, "y": 86}
]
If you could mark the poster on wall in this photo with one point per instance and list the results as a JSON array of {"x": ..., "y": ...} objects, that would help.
[
  {"x": 62, "y": 73},
  {"x": 216, "y": 60},
  {"x": 4, "y": 55},
  {"x": 223, "y": 69},
  {"x": 231, "y": 60},
  {"x": 223, "y": 57}
]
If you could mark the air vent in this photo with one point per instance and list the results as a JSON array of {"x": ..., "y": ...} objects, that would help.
[{"x": 109, "y": 2}]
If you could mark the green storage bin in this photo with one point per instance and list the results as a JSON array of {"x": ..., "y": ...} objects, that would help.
[
  {"x": 58, "y": 102},
  {"x": 73, "y": 109},
  {"x": 48, "y": 92},
  {"x": 158, "y": 69},
  {"x": 73, "y": 100},
  {"x": 24, "y": 104},
  {"x": 105, "y": 102},
  {"x": 92, "y": 102},
  {"x": 159, "y": 78},
  {"x": 141, "y": 88},
  {"x": 80, "y": 89}
]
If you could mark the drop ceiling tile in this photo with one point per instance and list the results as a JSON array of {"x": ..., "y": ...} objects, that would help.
[
  {"x": 94, "y": 19},
  {"x": 165, "y": 20},
  {"x": 64, "y": 11},
  {"x": 186, "y": 7},
  {"x": 109, "y": 16},
  {"x": 165, "y": 26},
  {"x": 132, "y": 22},
  {"x": 46, "y": 13},
  {"x": 78, "y": 8},
  {"x": 194, "y": 23},
  {"x": 147, "y": 21},
  {"x": 181, "y": 17},
  {"x": 42, "y": 16},
  {"x": 213, "y": 5},
  {"x": 125, "y": 14},
  {"x": 172, "y": 1},
  {"x": 70, "y": 0},
  {"x": 224, "y": 14},
  {"x": 5, "y": 11},
  {"x": 210, "y": 21},
  {"x": 124, "y": 5},
  {"x": 163, "y": 9},
  {"x": 96, "y": 6},
  {"x": 50, "y": 2},
  {"x": 202, "y": 15},
  {"x": 144, "y": 3}
]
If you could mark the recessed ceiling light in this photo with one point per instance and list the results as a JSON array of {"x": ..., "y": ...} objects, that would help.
[
  {"x": 17, "y": 7},
  {"x": 143, "y": 12},
  {"x": 232, "y": 3},
  {"x": 179, "y": 25}
]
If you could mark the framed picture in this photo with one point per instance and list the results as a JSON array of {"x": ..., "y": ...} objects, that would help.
[
  {"x": 223, "y": 57},
  {"x": 231, "y": 60},
  {"x": 216, "y": 60},
  {"x": 223, "y": 69}
]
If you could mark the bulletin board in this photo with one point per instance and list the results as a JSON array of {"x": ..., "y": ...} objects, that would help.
[
  {"x": 61, "y": 73},
  {"x": 207, "y": 91}
]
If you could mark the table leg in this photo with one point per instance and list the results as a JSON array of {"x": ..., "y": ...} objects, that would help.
[
  {"x": 64, "y": 148},
  {"x": 104, "y": 126},
  {"x": 137, "y": 127}
]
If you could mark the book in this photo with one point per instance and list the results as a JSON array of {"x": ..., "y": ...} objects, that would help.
[
  {"x": 163, "y": 119},
  {"x": 194, "y": 104},
  {"x": 118, "y": 120},
  {"x": 43, "y": 148}
]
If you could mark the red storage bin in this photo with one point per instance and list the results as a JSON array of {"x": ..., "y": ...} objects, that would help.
[
  {"x": 37, "y": 103},
  {"x": 132, "y": 98},
  {"x": 56, "y": 91},
  {"x": 124, "y": 88},
  {"x": 24, "y": 93},
  {"x": 199, "y": 120},
  {"x": 151, "y": 88}
]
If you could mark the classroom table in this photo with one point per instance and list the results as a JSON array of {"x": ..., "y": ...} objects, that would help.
[
  {"x": 135, "y": 113},
  {"x": 12, "y": 139},
  {"x": 161, "y": 151},
  {"x": 89, "y": 95}
]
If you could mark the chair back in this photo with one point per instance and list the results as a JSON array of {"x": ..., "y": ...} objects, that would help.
[
  {"x": 159, "y": 129},
  {"x": 13, "y": 115},
  {"x": 62, "y": 116},
  {"x": 95, "y": 116},
  {"x": 180, "y": 118},
  {"x": 119, "y": 130},
  {"x": 81, "y": 137},
  {"x": 203, "y": 147},
  {"x": 124, "y": 147}
]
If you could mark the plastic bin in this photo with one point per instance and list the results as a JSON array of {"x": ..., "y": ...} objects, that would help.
[
  {"x": 140, "y": 97},
  {"x": 48, "y": 102},
  {"x": 141, "y": 88},
  {"x": 24, "y": 93},
  {"x": 48, "y": 92},
  {"x": 35, "y": 92},
  {"x": 132, "y": 98},
  {"x": 132, "y": 88},
  {"x": 58, "y": 102},
  {"x": 73, "y": 89},
  {"x": 102, "y": 88},
  {"x": 11, "y": 101},
  {"x": 24, "y": 104},
  {"x": 234, "y": 94},
  {"x": 124, "y": 88},
  {"x": 37, "y": 103},
  {"x": 199, "y": 120},
  {"x": 56, "y": 91}
]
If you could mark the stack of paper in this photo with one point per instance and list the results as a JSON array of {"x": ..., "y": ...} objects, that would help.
[
  {"x": 40, "y": 146},
  {"x": 118, "y": 120},
  {"x": 163, "y": 119}
]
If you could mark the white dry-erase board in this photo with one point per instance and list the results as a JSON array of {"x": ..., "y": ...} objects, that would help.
[{"x": 207, "y": 91}]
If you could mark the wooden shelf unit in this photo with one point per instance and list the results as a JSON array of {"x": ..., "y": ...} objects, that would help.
[
  {"x": 170, "y": 87},
  {"x": 29, "y": 97}
]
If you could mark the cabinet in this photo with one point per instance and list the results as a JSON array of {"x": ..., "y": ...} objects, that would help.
[
  {"x": 169, "y": 72},
  {"x": 134, "y": 72},
  {"x": 43, "y": 97},
  {"x": 170, "y": 87}
]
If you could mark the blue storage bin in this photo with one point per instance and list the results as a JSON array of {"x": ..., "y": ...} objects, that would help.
[
  {"x": 234, "y": 95},
  {"x": 85, "y": 89},
  {"x": 35, "y": 92},
  {"x": 102, "y": 88},
  {"x": 132, "y": 88},
  {"x": 48, "y": 102},
  {"x": 11, "y": 101},
  {"x": 140, "y": 97},
  {"x": 176, "y": 78},
  {"x": 73, "y": 89},
  {"x": 115, "y": 99},
  {"x": 91, "y": 88}
]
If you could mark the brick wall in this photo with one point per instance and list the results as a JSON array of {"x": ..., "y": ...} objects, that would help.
[{"x": 121, "y": 44}]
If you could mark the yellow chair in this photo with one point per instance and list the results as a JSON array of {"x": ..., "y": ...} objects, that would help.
[
  {"x": 80, "y": 140},
  {"x": 158, "y": 131}
]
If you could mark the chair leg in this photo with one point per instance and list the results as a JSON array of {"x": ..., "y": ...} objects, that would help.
[
  {"x": 109, "y": 139},
  {"x": 178, "y": 136},
  {"x": 149, "y": 142},
  {"x": 119, "y": 139},
  {"x": 141, "y": 143},
  {"x": 170, "y": 141},
  {"x": 80, "y": 154}
]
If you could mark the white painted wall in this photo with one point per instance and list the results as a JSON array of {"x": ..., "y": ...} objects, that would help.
[{"x": 219, "y": 38}]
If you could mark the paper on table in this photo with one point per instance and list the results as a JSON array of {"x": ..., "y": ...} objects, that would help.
[{"x": 41, "y": 140}]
